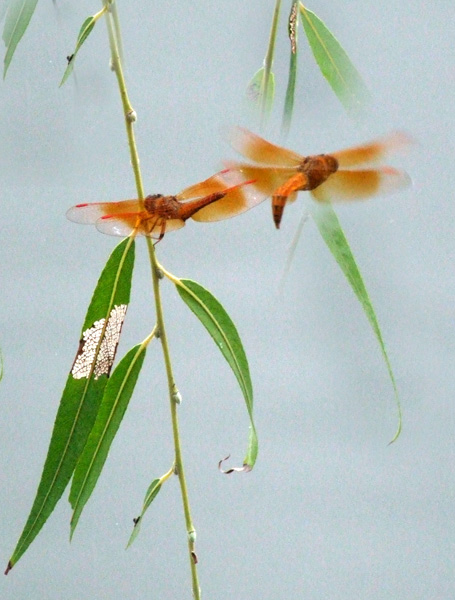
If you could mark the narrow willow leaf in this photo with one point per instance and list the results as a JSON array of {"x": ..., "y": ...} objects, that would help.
[
  {"x": 83, "y": 391},
  {"x": 150, "y": 496},
  {"x": 17, "y": 19},
  {"x": 290, "y": 91},
  {"x": 84, "y": 32},
  {"x": 220, "y": 326},
  {"x": 334, "y": 63},
  {"x": 117, "y": 394},
  {"x": 333, "y": 235}
]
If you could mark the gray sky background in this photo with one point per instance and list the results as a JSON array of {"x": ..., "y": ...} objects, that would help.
[{"x": 330, "y": 510}]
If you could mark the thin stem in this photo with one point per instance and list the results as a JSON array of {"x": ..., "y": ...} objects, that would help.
[
  {"x": 113, "y": 28},
  {"x": 174, "y": 401},
  {"x": 128, "y": 111}
]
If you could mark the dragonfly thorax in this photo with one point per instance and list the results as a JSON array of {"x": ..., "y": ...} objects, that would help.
[
  {"x": 166, "y": 207},
  {"x": 317, "y": 169}
]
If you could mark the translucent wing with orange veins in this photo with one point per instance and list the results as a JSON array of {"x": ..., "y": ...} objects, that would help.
[
  {"x": 123, "y": 225},
  {"x": 345, "y": 186},
  {"x": 372, "y": 151},
  {"x": 238, "y": 196},
  {"x": 121, "y": 218},
  {"x": 216, "y": 183},
  {"x": 261, "y": 151},
  {"x": 90, "y": 213},
  {"x": 264, "y": 179}
]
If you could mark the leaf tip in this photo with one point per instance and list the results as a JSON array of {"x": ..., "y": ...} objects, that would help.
[
  {"x": 397, "y": 433},
  {"x": 8, "y": 567},
  {"x": 246, "y": 468}
]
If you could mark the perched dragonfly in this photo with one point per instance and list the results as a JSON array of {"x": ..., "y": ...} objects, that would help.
[
  {"x": 282, "y": 173},
  {"x": 219, "y": 197}
]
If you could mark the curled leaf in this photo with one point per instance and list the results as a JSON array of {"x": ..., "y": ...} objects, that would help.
[{"x": 244, "y": 469}]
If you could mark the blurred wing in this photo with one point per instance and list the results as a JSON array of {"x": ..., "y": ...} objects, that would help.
[
  {"x": 241, "y": 197},
  {"x": 372, "y": 152},
  {"x": 344, "y": 186},
  {"x": 90, "y": 213},
  {"x": 265, "y": 179},
  {"x": 123, "y": 224},
  {"x": 216, "y": 183},
  {"x": 256, "y": 148}
]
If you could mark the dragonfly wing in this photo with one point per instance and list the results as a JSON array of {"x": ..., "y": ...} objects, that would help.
[
  {"x": 90, "y": 213},
  {"x": 256, "y": 148},
  {"x": 265, "y": 179},
  {"x": 241, "y": 197},
  {"x": 124, "y": 224},
  {"x": 216, "y": 183},
  {"x": 157, "y": 227},
  {"x": 373, "y": 151},
  {"x": 344, "y": 186},
  {"x": 120, "y": 224}
]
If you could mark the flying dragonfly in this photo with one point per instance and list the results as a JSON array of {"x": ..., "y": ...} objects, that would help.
[
  {"x": 219, "y": 197},
  {"x": 282, "y": 173}
]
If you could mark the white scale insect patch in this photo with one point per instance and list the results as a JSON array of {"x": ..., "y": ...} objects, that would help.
[{"x": 83, "y": 362}]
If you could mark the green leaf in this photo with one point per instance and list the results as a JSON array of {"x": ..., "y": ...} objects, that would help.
[
  {"x": 84, "y": 32},
  {"x": 220, "y": 326},
  {"x": 293, "y": 25},
  {"x": 84, "y": 388},
  {"x": 334, "y": 63},
  {"x": 333, "y": 235},
  {"x": 259, "y": 93},
  {"x": 117, "y": 394},
  {"x": 150, "y": 496},
  {"x": 17, "y": 19}
]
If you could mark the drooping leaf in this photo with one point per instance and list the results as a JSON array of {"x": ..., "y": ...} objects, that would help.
[
  {"x": 334, "y": 63},
  {"x": 84, "y": 388},
  {"x": 150, "y": 496},
  {"x": 333, "y": 235},
  {"x": 293, "y": 25},
  {"x": 85, "y": 31},
  {"x": 117, "y": 394},
  {"x": 17, "y": 19},
  {"x": 224, "y": 333}
]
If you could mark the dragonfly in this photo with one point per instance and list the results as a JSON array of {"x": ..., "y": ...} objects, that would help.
[
  {"x": 335, "y": 177},
  {"x": 221, "y": 196}
]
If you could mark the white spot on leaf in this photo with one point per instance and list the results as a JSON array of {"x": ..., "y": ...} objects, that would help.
[{"x": 90, "y": 343}]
